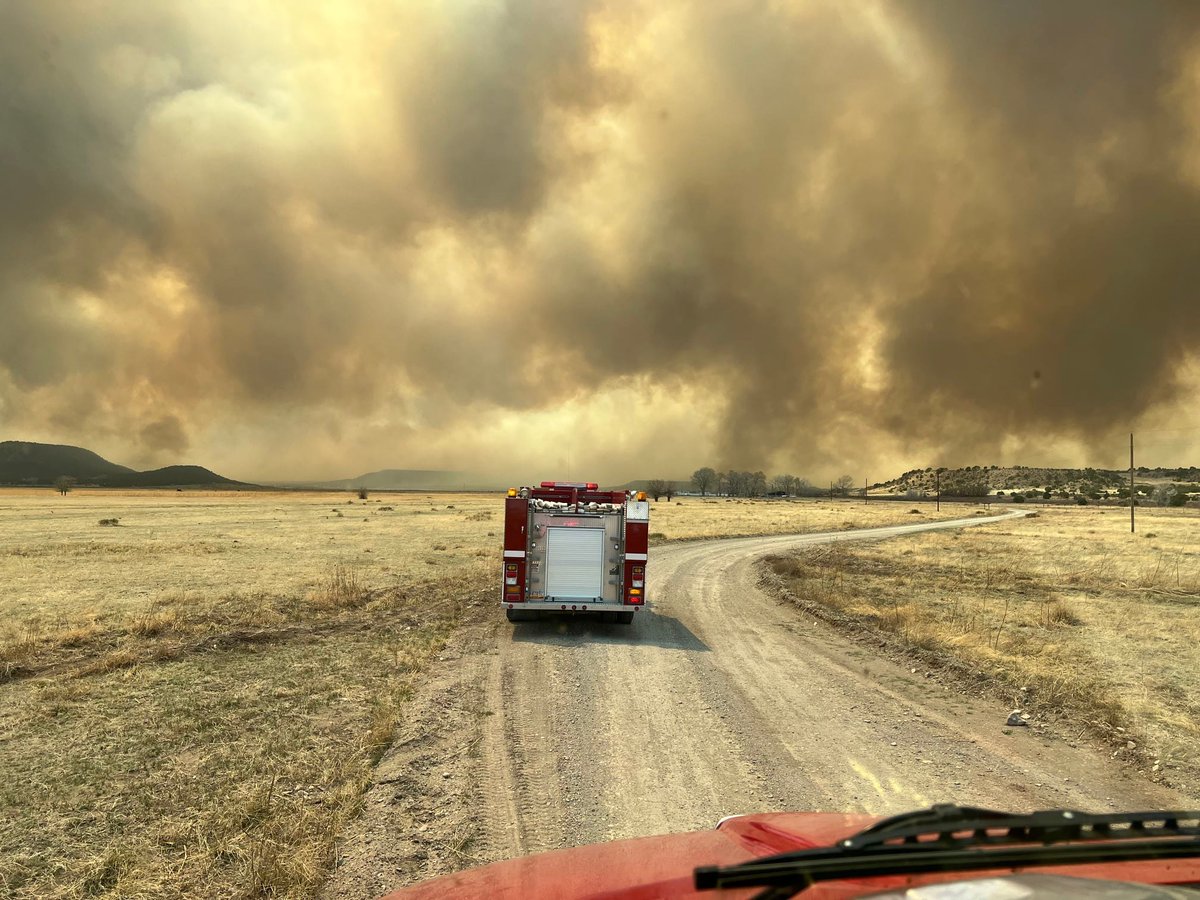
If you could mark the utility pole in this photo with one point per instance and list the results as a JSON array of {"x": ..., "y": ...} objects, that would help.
[
  {"x": 1132, "y": 497},
  {"x": 938, "y": 477},
  {"x": 831, "y": 491},
  {"x": 864, "y": 489}
]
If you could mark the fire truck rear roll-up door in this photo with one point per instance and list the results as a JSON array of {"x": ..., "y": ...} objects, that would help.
[{"x": 575, "y": 562}]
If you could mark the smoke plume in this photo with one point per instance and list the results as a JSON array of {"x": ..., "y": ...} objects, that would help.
[{"x": 300, "y": 240}]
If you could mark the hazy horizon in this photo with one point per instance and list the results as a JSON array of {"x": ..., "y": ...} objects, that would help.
[{"x": 298, "y": 241}]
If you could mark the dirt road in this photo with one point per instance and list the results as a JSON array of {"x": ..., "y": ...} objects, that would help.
[{"x": 718, "y": 700}]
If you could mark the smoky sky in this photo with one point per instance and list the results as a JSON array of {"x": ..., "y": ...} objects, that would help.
[{"x": 299, "y": 239}]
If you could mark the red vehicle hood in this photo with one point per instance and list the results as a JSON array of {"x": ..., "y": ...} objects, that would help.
[{"x": 650, "y": 867}]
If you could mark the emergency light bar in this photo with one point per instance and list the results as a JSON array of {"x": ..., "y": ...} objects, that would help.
[{"x": 583, "y": 486}]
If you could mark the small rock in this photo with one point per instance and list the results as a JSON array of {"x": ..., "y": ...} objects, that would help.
[
  {"x": 1015, "y": 718},
  {"x": 445, "y": 774},
  {"x": 1130, "y": 745}
]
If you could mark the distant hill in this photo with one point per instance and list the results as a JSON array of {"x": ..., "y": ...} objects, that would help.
[
  {"x": 978, "y": 481},
  {"x": 28, "y": 463},
  {"x": 23, "y": 462},
  {"x": 405, "y": 480},
  {"x": 173, "y": 476}
]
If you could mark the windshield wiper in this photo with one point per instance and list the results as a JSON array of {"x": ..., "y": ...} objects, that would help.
[{"x": 949, "y": 838}]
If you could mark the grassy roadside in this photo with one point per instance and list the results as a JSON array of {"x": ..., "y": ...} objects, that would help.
[
  {"x": 1066, "y": 613},
  {"x": 200, "y": 759},
  {"x": 192, "y": 701}
]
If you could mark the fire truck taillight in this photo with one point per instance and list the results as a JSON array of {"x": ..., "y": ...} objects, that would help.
[
  {"x": 510, "y": 574},
  {"x": 635, "y": 596},
  {"x": 638, "y": 576}
]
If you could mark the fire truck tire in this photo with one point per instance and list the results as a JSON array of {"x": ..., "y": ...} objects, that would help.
[{"x": 625, "y": 618}]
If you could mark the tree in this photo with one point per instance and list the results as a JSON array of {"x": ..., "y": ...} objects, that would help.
[
  {"x": 704, "y": 480},
  {"x": 1164, "y": 494},
  {"x": 758, "y": 483},
  {"x": 1171, "y": 494},
  {"x": 842, "y": 485},
  {"x": 669, "y": 489},
  {"x": 63, "y": 484},
  {"x": 656, "y": 487},
  {"x": 736, "y": 482},
  {"x": 362, "y": 493}
]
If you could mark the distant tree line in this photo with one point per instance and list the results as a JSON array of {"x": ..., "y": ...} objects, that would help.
[{"x": 737, "y": 483}]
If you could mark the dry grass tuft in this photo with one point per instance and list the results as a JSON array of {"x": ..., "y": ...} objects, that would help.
[
  {"x": 1057, "y": 612},
  {"x": 343, "y": 588},
  {"x": 19, "y": 645},
  {"x": 103, "y": 873},
  {"x": 110, "y": 662},
  {"x": 157, "y": 620}
]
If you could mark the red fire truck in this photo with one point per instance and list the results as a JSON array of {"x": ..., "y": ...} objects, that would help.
[{"x": 572, "y": 549}]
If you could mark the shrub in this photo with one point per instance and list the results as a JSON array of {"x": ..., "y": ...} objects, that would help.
[
  {"x": 1018, "y": 498},
  {"x": 1082, "y": 501},
  {"x": 362, "y": 493},
  {"x": 1056, "y": 612},
  {"x": 110, "y": 522}
]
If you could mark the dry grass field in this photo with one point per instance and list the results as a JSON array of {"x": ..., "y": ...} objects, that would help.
[
  {"x": 191, "y": 700},
  {"x": 1068, "y": 609},
  {"x": 695, "y": 518}
]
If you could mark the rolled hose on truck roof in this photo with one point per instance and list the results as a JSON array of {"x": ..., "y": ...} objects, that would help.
[{"x": 572, "y": 549}]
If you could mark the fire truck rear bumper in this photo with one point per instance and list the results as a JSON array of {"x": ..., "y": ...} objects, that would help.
[{"x": 573, "y": 606}]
